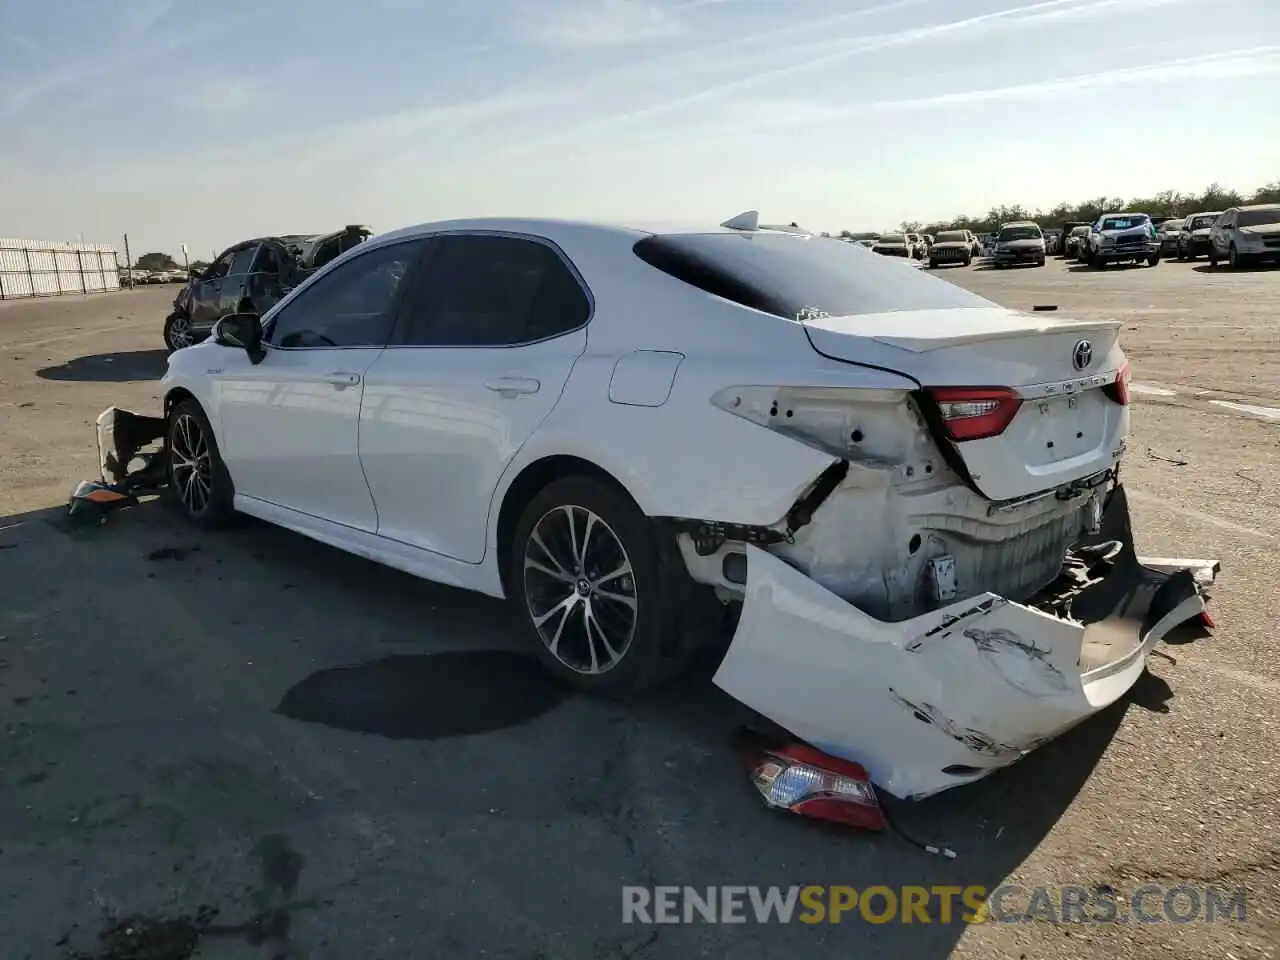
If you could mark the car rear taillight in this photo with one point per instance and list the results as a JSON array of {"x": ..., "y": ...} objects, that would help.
[
  {"x": 974, "y": 413},
  {"x": 802, "y": 780},
  {"x": 1119, "y": 390}
]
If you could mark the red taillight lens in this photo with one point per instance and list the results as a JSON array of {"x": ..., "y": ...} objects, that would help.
[
  {"x": 800, "y": 779},
  {"x": 1119, "y": 391},
  {"x": 973, "y": 413}
]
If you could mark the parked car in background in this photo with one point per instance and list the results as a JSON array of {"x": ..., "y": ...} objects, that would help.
[
  {"x": 893, "y": 245},
  {"x": 866, "y": 243},
  {"x": 1076, "y": 243},
  {"x": 250, "y": 277},
  {"x": 1168, "y": 233},
  {"x": 1019, "y": 242},
  {"x": 1193, "y": 238},
  {"x": 1069, "y": 229},
  {"x": 951, "y": 247},
  {"x": 1246, "y": 235},
  {"x": 496, "y": 405},
  {"x": 1123, "y": 238}
]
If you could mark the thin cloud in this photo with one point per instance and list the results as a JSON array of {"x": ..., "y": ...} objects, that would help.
[
  {"x": 1254, "y": 61},
  {"x": 802, "y": 57},
  {"x": 598, "y": 23}
]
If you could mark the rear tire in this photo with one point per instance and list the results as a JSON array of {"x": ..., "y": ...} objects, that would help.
[
  {"x": 199, "y": 483},
  {"x": 588, "y": 578},
  {"x": 1153, "y": 260}
]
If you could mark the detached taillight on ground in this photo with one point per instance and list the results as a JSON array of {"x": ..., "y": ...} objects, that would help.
[
  {"x": 800, "y": 779},
  {"x": 975, "y": 413},
  {"x": 1119, "y": 391}
]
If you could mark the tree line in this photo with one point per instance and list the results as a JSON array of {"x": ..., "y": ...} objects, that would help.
[{"x": 1166, "y": 203}]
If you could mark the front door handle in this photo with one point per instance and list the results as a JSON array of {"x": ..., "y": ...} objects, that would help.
[
  {"x": 512, "y": 386},
  {"x": 342, "y": 380}
]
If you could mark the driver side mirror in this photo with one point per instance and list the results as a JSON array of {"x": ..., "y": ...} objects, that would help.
[{"x": 243, "y": 331}]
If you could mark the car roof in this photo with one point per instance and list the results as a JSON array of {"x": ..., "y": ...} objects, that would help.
[
  {"x": 563, "y": 229},
  {"x": 1260, "y": 206}
]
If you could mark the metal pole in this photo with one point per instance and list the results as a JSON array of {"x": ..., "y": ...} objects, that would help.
[
  {"x": 57, "y": 270},
  {"x": 31, "y": 277},
  {"x": 128, "y": 260},
  {"x": 84, "y": 287}
]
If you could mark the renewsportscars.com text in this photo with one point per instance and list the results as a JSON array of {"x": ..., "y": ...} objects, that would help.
[{"x": 1009, "y": 903}]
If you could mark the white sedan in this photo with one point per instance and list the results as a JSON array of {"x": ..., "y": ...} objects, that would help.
[{"x": 902, "y": 496}]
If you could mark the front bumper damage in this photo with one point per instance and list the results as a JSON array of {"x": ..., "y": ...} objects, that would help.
[
  {"x": 132, "y": 460},
  {"x": 947, "y": 697}
]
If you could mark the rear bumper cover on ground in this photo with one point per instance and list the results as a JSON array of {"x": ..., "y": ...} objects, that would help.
[{"x": 948, "y": 697}]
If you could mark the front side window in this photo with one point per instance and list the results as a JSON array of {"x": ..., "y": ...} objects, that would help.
[
  {"x": 220, "y": 267},
  {"x": 351, "y": 306},
  {"x": 243, "y": 261},
  {"x": 493, "y": 291}
]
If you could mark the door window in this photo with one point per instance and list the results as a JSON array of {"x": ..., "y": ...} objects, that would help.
[
  {"x": 221, "y": 266},
  {"x": 351, "y": 306},
  {"x": 490, "y": 291},
  {"x": 243, "y": 261}
]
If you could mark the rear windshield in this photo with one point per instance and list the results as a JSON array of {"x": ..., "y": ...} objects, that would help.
[
  {"x": 951, "y": 236},
  {"x": 1258, "y": 218},
  {"x": 1125, "y": 223},
  {"x": 798, "y": 277},
  {"x": 1203, "y": 221},
  {"x": 1020, "y": 233},
  {"x": 893, "y": 238},
  {"x": 1171, "y": 225}
]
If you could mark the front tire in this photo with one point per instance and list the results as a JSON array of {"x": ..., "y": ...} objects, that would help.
[
  {"x": 177, "y": 331},
  {"x": 1234, "y": 260},
  {"x": 587, "y": 577},
  {"x": 1153, "y": 260},
  {"x": 198, "y": 479}
]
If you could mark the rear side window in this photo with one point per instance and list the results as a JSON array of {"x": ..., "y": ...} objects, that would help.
[
  {"x": 796, "y": 277},
  {"x": 493, "y": 291}
]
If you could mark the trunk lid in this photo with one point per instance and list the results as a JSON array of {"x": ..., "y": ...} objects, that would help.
[{"x": 1066, "y": 427}]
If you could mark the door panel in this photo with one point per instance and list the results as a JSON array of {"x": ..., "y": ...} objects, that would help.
[
  {"x": 290, "y": 425},
  {"x": 488, "y": 337},
  {"x": 438, "y": 427},
  {"x": 291, "y": 422}
]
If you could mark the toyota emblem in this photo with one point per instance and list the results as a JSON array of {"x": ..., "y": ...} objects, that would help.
[{"x": 1082, "y": 354}]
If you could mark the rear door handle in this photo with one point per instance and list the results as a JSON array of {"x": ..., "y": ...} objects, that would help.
[
  {"x": 341, "y": 380},
  {"x": 512, "y": 386}
]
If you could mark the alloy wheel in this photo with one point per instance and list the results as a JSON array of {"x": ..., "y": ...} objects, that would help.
[
  {"x": 180, "y": 333},
  {"x": 191, "y": 462},
  {"x": 580, "y": 589}
]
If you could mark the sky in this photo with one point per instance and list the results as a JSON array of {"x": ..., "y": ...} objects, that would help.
[{"x": 181, "y": 122}]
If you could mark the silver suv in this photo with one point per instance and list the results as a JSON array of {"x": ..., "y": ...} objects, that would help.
[
  {"x": 1244, "y": 235},
  {"x": 1120, "y": 237},
  {"x": 1019, "y": 242}
]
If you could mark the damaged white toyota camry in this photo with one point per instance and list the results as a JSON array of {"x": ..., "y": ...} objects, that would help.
[{"x": 904, "y": 496}]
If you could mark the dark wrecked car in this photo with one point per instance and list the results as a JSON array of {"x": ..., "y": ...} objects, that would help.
[{"x": 251, "y": 277}]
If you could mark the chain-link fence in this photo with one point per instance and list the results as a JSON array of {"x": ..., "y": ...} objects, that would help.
[{"x": 31, "y": 268}]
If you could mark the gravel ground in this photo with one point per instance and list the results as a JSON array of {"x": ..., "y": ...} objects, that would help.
[{"x": 181, "y": 757}]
